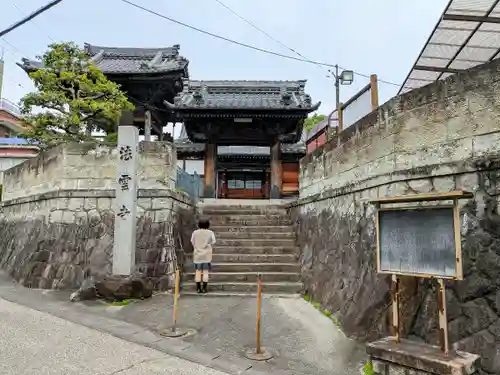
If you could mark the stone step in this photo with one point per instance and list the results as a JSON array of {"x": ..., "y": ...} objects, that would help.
[
  {"x": 212, "y": 213},
  {"x": 252, "y": 228},
  {"x": 252, "y": 294},
  {"x": 251, "y": 267},
  {"x": 247, "y": 287},
  {"x": 206, "y": 209},
  {"x": 251, "y": 249},
  {"x": 254, "y": 258},
  {"x": 249, "y": 276},
  {"x": 254, "y": 235},
  {"x": 266, "y": 242},
  {"x": 249, "y": 220}
]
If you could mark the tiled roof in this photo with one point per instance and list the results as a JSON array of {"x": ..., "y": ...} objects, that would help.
[
  {"x": 114, "y": 60},
  {"x": 289, "y": 95},
  {"x": 184, "y": 144}
]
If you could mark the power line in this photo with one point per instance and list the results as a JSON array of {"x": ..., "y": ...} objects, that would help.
[
  {"x": 269, "y": 52},
  {"x": 14, "y": 48},
  {"x": 265, "y": 33},
  {"x": 34, "y": 23},
  {"x": 29, "y": 17}
]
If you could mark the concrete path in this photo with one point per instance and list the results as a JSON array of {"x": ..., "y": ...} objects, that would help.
[
  {"x": 36, "y": 343},
  {"x": 303, "y": 340}
]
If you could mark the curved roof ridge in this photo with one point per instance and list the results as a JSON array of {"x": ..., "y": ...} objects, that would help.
[{"x": 130, "y": 51}]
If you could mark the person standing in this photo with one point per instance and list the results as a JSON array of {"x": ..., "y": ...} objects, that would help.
[{"x": 202, "y": 239}]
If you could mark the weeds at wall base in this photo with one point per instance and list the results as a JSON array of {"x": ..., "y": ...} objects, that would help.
[{"x": 325, "y": 312}]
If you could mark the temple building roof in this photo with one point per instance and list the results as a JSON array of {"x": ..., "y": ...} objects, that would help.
[
  {"x": 116, "y": 60},
  {"x": 183, "y": 144},
  {"x": 243, "y": 95}
]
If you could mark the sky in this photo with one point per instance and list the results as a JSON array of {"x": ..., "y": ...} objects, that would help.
[{"x": 369, "y": 37}]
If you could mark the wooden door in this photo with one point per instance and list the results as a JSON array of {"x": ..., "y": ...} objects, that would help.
[
  {"x": 245, "y": 185},
  {"x": 290, "y": 179}
]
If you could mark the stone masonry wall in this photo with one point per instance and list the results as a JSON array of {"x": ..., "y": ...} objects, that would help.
[
  {"x": 442, "y": 137},
  {"x": 57, "y": 225}
]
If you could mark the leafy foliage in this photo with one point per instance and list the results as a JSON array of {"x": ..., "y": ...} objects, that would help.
[
  {"x": 368, "y": 369},
  {"x": 76, "y": 98},
  {"x": 311, "y": 121}
]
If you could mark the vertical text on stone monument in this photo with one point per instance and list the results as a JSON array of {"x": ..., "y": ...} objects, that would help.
[{"x": 126, "y": 201}]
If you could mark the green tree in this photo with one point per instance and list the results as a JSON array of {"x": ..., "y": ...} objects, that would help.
[
  {"x": 311, "y": 121},
  {"x": 74, "y": 96}
]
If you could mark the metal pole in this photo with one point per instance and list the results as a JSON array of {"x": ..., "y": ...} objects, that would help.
[
  {"x": 1, "y": 73},
  {"x": 259, "y": 306},
  {"x": 176, "y": 298},
  {"x": 337, "y": 98}
]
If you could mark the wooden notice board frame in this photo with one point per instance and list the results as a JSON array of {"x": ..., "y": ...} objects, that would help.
[
  {"x": 453, "y": 196},
  {"x": 418, "y": 198}
]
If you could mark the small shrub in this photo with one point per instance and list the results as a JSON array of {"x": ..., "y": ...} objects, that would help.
[
  {"x": 368, "y": 369},
  {"x": 307, "y": 298}
]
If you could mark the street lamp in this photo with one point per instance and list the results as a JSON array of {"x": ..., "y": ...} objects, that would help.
[{"x": 346, "y": 77}]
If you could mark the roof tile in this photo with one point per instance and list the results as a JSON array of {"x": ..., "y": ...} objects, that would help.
[
  {"x": 128, "y": 60},
  {"x": 244, "y": 95}
]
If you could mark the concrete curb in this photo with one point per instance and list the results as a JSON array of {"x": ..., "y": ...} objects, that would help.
[{"x": 130, "y": 332}]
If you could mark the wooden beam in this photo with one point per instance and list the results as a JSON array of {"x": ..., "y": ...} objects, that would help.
[{"x": 450, "y": 195}]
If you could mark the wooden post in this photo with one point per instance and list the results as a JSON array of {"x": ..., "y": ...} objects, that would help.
[
  {"x": 443, "y": 320},
  {"x": 209, "y": 180},
  {"x": 260, "y": 353},
  {"x": 395, "y": 307},
  {"x": 176, "y": 299},
  {"x": 259, "y": 307},
  {"x": 276, "y": 178}
]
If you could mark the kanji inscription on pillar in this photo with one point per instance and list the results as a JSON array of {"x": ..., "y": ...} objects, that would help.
[{"x": 125, "y": 206}]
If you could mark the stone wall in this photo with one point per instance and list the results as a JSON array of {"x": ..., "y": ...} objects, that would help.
[
  {"x": 57, "y": 225},
  {"x": 84, "y": 167},
  {"x": 442, "y": 137}
]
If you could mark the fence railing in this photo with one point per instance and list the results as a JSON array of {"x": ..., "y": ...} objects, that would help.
[
  {"x": 8, "y": 106},
  {"x": 189, "y": 183}
]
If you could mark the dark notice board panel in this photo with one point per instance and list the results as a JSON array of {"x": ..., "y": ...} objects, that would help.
[{"x": 417, "y": 242}]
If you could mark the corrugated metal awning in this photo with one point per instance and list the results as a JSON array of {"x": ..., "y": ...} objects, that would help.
[{"x": 467, "y": 35}]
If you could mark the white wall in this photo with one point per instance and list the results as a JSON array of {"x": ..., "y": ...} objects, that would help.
[
  {"x": 6, "y": 163},
  {"x": 357, "y": 109},
  {"x": 197, "y": 166}
]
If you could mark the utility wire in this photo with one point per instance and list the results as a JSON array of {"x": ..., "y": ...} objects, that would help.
[
  {"x": 217, "y": 36},
  {"x": 266, "y": 34},
  {"x": 14, "y": 48},
  {"x": 33, "y": 22},
  {"x": 29, "y": 17}
]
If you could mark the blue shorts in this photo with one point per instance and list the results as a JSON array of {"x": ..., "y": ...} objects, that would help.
[{"x": 202, "y": 266}]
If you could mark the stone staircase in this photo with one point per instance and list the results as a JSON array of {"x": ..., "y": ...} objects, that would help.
[{"x": 251, "y": 239}]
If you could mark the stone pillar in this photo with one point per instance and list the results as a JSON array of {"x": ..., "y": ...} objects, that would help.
[
  {"x": 275, "y": 190},
  {"x": 147, "y": 126},
  {"x": 210, "y": 159},
  {"x": 126, "y": 201},
  {"x": 410, "y": 357}
]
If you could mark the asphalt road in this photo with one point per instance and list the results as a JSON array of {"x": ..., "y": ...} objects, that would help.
[{"x": 36, "y": 343}]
